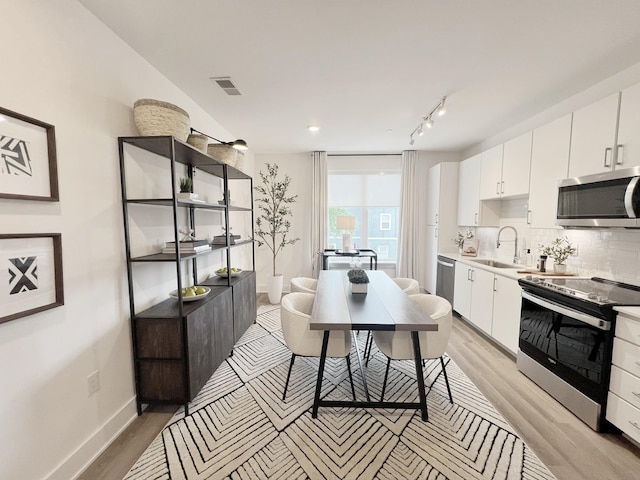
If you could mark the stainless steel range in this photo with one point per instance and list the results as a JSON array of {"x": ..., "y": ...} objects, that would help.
[{"x": 566, "y": 337}]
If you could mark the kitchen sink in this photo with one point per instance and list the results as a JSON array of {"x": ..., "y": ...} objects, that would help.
[{"x": 495, "y": 264}]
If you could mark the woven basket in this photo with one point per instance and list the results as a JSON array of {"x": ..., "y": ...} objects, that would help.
[
  {"x": 224, "y": 153},
  {"x": 153, "y": 118},
  {"x": 198, "y": 141}
]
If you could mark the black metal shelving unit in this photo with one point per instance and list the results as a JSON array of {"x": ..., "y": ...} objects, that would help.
[{"x": 177, "y": 345}]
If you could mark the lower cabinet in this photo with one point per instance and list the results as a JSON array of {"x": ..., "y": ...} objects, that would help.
[
  {"x": 489, "y": 301},
  {"x": 623, "y": 401},
  {"x": 175, "y": 356}
]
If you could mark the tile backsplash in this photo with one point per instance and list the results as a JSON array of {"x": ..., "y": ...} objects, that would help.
[{"x": 610, "y": 253}]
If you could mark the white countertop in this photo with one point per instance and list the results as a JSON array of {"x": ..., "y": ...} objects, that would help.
[
  {"x": 505, "y": 272},
  {"x": 631, "y": 311}
]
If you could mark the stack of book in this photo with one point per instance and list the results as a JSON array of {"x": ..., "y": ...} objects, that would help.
[
  {"x": 190, "y": 247},
  {"x": 222, "y": 239}
]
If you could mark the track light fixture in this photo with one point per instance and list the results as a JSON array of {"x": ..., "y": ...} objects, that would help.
[
  {"x": 427, "y": 121},
  {"x": 238, "y": 144}
]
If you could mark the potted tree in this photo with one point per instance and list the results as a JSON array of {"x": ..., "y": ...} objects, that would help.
[{"x": 273, "y": 222}]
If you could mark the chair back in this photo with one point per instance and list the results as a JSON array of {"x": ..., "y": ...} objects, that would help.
[
  {"x": 434, "y": 344},
  {"x": 295, "y": 313},
  {"x": 408, "y": 285},
  {"x": 304, "y": 284}
]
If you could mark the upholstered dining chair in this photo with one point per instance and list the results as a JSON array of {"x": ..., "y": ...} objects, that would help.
[
  {"x": 409, "y": 286},
  {"x": 304, "y": 284},
  {"x": 399, "y": 346},
  {"x": 295, "y": 313}
]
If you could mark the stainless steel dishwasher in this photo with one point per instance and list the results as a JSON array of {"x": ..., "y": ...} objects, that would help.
[{"x": 445, "y": 278}]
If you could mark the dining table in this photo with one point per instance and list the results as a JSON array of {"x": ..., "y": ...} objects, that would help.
[{"x": 385, "y": 306}]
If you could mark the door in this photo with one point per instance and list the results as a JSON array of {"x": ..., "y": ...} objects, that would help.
[
  {"x": 433, "y": 194},
  {"x": 516, "y": 164},
  {"x": 469, "y": 191},
  {"x": 491, "y": 173},
  {"x": 628, "y": 154},
  {"x": 507, "y": 299},
  {"x": 462, "y": 289},
  {"x": 481, "y": 314}
]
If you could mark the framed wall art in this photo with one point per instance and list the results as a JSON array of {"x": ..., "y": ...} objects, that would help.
[
  {"x": 28, "y": 166},
  {"x": 30, "y": 274}
]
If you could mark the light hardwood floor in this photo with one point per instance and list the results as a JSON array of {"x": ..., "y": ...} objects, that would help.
[{"x": 567, "y": 446}]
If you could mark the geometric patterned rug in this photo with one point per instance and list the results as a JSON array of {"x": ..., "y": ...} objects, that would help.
[{"x": 238, "y": 427}]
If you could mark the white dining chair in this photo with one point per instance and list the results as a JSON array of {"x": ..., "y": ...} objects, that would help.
[
  {"x": 295, "y": 313},
  {"x": 409, "y": 286},
  {"x": 304, "y": 284},
  {"x": 399, "y": 346}
]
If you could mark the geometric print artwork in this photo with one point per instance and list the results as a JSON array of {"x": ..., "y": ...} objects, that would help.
[
  {"x": 14, "y": 156},
  {"x": 23, "y": 274},
  {"x": 239, "y": 427}
]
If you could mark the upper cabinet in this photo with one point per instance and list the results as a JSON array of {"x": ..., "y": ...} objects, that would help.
[
  {"x": 628, "y": 144},
  {"x": 505, "y": 169},
  {"x": 593, "y": 137},
  {"x": 471, "y": 211},
  {"x": 549, "y": 163}
]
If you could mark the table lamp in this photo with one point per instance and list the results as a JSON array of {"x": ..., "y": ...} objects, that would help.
[{"x": 346, "y": 223}]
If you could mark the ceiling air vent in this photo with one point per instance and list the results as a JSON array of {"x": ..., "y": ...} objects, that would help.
[{"x": 227, "y": 85}]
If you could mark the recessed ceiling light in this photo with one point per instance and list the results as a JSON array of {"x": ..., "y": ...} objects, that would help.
[
  {"x": 313, "y": 128},
  {"x": 388, "y": 130}
]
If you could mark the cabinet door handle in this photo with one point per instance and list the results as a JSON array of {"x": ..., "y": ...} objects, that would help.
[
  {"x": 501, "y": 188},
  {"x": 637, "y": 394},
  {"x": 436, "y": 219},
  {"x": 607, "y": 157},
  {"x": 638, "y": 364},
  {"x": 635, "y": 424},
  {"x": 475, "y": 218},
  {"x": 436, "y": 233},
  {"x": 528, "y": 217},
  {"x": 468, "y": 274},
  {"x": 619, "y": 154},
  {"x": 495, "y": 285},
  {"x": 472, "y": 272},
  {"x": 497, "y": 188}
]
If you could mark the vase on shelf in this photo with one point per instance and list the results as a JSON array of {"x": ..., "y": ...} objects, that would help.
[{"x": 560, "y": 267}]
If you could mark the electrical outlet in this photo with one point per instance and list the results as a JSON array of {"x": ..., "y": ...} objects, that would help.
[{"x": 93, "y": 382}]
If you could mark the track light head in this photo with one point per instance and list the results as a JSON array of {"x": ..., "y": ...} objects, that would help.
[
  {"x": 429, "y": 122},
  {"x": 420, "y": 131},
  {"x": 441, "y": 108}
]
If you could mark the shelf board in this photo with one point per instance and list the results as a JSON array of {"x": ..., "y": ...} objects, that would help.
[
  {"x": 186, "y": 154},
  {"x": 169, "y": 257},
  {"x": 216, "y": 281},
  {"x": 240, "y": 209},
  {"x": 168, "y": 202}
]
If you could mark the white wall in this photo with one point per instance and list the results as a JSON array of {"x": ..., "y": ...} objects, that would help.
[{"x": 64, "y": 67}]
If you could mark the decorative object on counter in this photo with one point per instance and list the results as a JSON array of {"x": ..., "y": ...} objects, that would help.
[
  {"x": 461, "y": 237},
  {"x": 273, "y": 222},
  {"x": 187, "y": 234},
  {"x": 198, "y": 140},
  {"x": 224, "y": 272},
  {"x": 28, "y": 158},
  {"x": 156, "y": 118},
  {"x": 559, "y": 250},
  {"x": 542, "y": 263},
  {"x": 189, "y": 294},
  {"x": 186, "y": 189},
  {"x": 470, "y": 247},
  {"x": 358, "y": 279}
]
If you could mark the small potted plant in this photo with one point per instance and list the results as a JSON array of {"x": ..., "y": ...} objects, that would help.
[
  {"x": 461, "y": 237},
  {"x": 186, "y": 189},
  {"x": 358, "y": 279},
  {"x": 559, "y": 250}
]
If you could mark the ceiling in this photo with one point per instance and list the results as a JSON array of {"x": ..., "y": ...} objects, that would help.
[{"x": 367, "y": 71}]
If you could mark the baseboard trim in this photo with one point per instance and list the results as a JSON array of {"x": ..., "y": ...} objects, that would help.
[{"x": 92, "y": 448}]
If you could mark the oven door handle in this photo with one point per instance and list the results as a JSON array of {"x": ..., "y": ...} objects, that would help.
[{"x": 569, "y": 312}]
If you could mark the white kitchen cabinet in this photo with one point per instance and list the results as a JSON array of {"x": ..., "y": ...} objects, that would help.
[
  {"x": 593, "y": 137},
  {"x": 471, "y": 211},
  {"x": 462, "y": 290},
  {"x": 442, "y": 206},
  {"x": 516, "y": 164},
  {"x": 623, "y": 401},
  {"x": 628, "y": 143},
  {"x": 473, "y": 295},
  {"x": 549, "y": 164},
  {"x": 491, "y": 173},
  {"x": 507, "y": 300},
  {"x": 481, "y": 314}
]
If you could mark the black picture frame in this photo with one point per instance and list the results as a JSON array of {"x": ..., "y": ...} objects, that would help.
[
  {"x": 28, "y": 160},
  {"x": 31, "y": 278}
]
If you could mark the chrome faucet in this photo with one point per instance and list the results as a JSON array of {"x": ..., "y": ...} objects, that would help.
[{"x": 516, "y": 259}]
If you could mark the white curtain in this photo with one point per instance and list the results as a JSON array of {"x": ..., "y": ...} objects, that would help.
[
  {"x": 408, "y": 265},
  {"x": 319, "y": 213}
]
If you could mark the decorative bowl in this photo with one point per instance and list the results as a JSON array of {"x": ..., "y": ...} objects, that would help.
[
  {"x": 224, "y": 274},
  {"x": 174, "y": 294}
]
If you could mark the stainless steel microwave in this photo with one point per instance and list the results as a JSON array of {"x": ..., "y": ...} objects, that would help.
[{"x": 610, "y": 199}]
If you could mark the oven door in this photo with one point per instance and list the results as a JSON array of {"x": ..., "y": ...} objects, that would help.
[{"x": 571, "y": 344}]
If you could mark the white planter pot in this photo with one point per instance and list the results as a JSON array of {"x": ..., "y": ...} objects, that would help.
[
  {"x": 274, "y": 288},
  {"x": 187, "y": 196},
  {"x": 359, "y": 287},
  {"x": 559, "y": 268}
]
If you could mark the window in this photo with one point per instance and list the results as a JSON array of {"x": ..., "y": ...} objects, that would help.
[{"x": 367, "y": 187}]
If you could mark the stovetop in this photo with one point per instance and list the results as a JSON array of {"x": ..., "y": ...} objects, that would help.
[{"x": 598, "y": 291}]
